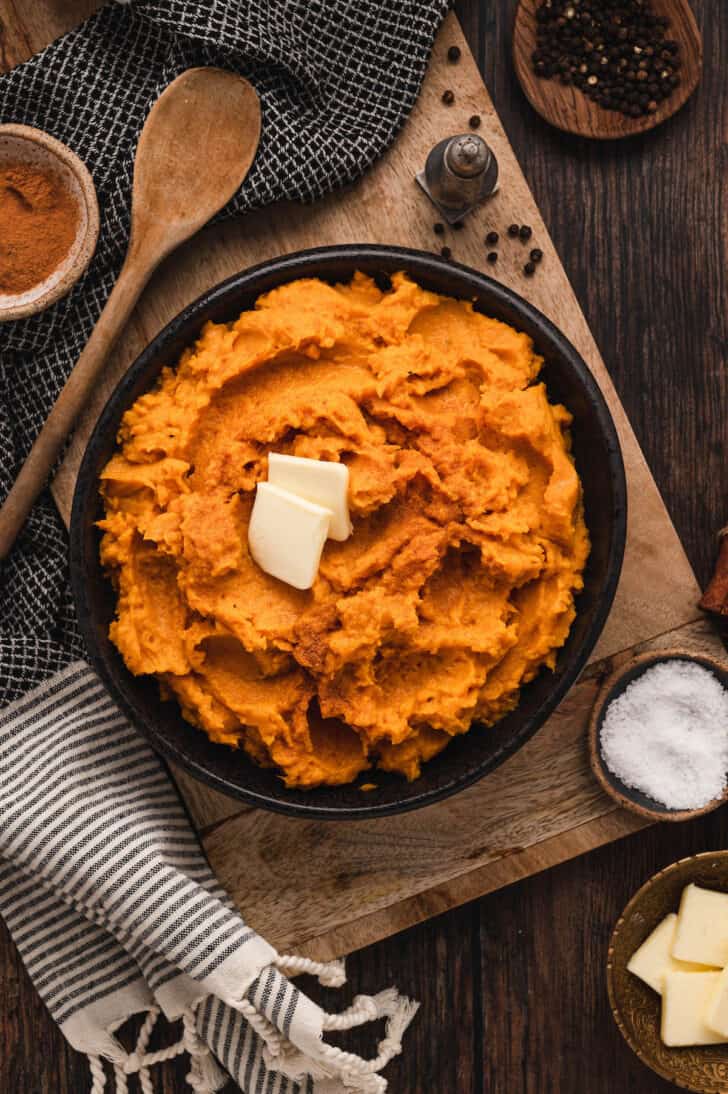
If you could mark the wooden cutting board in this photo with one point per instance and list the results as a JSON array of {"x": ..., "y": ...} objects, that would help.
[{"x": 324, "y": 889}]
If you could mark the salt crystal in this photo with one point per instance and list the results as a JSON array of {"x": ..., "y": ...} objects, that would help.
[{"x": 667, "y": 735}]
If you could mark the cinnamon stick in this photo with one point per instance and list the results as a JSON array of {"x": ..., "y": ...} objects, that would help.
[{"x": 715, "y": 597}]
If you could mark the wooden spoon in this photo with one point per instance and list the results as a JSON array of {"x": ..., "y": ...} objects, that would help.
[
  {"x": 568, "y": 108},
  {"x": 195, "y": 149}
]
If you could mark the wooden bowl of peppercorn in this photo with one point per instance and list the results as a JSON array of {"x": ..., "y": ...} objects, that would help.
[
  {"x": 606, "y": 68},
  {"x": 50, "y": 220}
]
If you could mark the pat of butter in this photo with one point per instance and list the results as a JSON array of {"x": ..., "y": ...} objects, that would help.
[
  {"x": 318, "y": 481},
  {"x": 286, "y": 535},
  {"x": 702, "y": 927},
  {"x": 685, "y": 1000},
  {"x": 654, "y": 959},
  {"x": 717, "y": 1013}
]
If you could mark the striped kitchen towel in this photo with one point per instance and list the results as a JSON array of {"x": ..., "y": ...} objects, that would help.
[
  {"x": 116, "y": 912},
  {"x": 102, "y": 882}
]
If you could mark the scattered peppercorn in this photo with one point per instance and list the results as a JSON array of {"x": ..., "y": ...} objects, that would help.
[
  {"x": 529, "y": 269},
  {"x": 438, "y": 227},
  {"x": 474, "y": 121},
  {"x": 614, "y": 51},
  {"x": 525, "y": 232},
  {"x": 459, "y": 225},
  {"x": 513, "y": 230},
  {"x": 536, "y": 255},
  {"x": 446, "y": 252},
  {"x": 492, "y": 237},
  {"x": 492, "y": 257},
  {"x": 453, "y": 54},
  {"x": 448, "y": 97}
]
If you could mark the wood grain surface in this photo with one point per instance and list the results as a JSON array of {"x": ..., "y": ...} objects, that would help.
[
  {"x": 513, "y": 985},
  {"x": 567, "y": 108},
  {"x": 349, "y": 892}
]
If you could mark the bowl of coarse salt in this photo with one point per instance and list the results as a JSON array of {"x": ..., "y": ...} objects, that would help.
[{"x": 658, "y": 735}]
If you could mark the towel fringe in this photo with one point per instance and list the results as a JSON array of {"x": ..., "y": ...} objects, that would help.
[
  {"x": 354, "y": 1072},
  {"x": 365, "y": 1008},
  {"x": 98, "y": 1075},
  {"x": 329, "y": 1062},
  {"x": 330, "y": 974},
  {"x": 205, "y": 1075}
]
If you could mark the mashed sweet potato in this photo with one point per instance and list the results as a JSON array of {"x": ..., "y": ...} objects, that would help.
[{"x": 468, "y": 546}]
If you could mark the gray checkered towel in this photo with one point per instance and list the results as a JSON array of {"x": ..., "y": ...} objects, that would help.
[{"x": 102, "y": 881}]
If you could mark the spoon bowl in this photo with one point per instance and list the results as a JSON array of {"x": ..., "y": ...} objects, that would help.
[{"x": 191, "y": 159}]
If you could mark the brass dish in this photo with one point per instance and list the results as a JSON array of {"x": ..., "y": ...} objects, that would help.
[{"x": 635, "y": 1006}]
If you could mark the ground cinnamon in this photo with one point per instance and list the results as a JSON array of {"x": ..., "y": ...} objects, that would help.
[{"x": 38, "y": 222}]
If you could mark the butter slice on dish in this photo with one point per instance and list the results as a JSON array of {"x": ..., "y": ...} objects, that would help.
[
  {"x": 320, "y": 481},
  {"x": 653, "y": 960},
  {"x": 716, "y": 1015},
  {"x": 286, "y": 535},
  {"x": 702, "y": 927},
  {"x": 685, "y": 1000}
]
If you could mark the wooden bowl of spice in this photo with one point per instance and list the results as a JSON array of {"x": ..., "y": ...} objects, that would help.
[
  {"x": 50, "y": 220},
  {"x": 658, "y": 735},
  {"x": 606, "y": 68}
]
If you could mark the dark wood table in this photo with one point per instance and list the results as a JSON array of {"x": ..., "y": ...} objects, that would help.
[{"x": 513, "y": 986}]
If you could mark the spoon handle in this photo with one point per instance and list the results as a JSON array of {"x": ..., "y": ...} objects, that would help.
[{"x": 72, "y": 400}]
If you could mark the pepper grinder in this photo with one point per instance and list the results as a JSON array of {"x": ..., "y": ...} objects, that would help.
[{"x": 459, "y": 173}]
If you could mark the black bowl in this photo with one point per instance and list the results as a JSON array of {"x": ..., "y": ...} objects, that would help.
[{"x": 467, "y": 758}]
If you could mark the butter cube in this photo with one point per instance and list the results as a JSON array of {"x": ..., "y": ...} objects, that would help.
[
  {"x": 685, "y": 999},
  {"x": 654, "y": 958},
  {"x": 319, "y": 481},
  {"x": 286, "y": 535},
  {"x": 716, "y": 1015},
  {"x": 702, "y": 927}
]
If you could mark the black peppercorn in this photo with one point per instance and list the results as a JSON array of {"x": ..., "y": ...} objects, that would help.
[
  {"x": 513, "y": 230},
  {"x": 492, "y": 238},
  {"x": 529, "y": 269},
  {"x": 448, "y": 97},
  {"x": 438, "y": 228},
  {"x": 525, "y": 232},
  {"x": 492, "y": 257},
  {"x": 474, "y": 121},
  {"x": 446, "y": 252},
  {"x": 458, "y": 225},
  {"x": 536, "y": 255},
  {"x": 453, "y": 54},
  {"x": 607, "y": 49}
]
